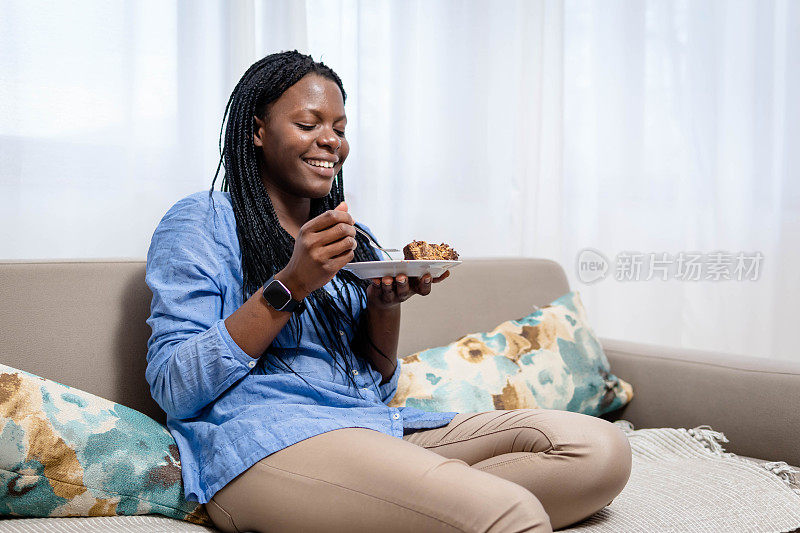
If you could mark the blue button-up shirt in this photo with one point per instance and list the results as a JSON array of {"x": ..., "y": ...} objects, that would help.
[{"x": 225, "y": 409}]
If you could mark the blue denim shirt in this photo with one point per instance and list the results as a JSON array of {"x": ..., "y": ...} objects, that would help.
[{"x": 225, "y": 409}]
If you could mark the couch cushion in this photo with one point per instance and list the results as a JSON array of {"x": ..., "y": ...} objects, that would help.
[
  {"x": 92, "y": 314},
  {"x": 477, "y": 296},
  {"x": 82, "y": 323},
  {"x": 754, "y": 400},
  {"x": 549, "y": 359},
  {"x": 65, "y": 452}
]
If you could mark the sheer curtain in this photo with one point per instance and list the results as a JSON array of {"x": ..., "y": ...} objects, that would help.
[
  {"x": 545, "y": 128},
  {"x": 110, "y": 112},
  {"x": 681, "y": 133},
  {"x": 531, "y": 128}
]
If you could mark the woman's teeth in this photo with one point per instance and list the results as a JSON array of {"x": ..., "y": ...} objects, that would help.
[{"x": 323, "y": 164}]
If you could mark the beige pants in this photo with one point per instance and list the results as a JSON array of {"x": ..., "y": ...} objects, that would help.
[{"x": 520, "y": 470}]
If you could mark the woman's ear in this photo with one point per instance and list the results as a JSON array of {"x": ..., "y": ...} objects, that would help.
[{"x": 258, "y": 131}]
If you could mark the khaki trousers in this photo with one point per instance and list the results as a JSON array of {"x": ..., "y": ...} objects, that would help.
[{"x": 520, "y": 470}]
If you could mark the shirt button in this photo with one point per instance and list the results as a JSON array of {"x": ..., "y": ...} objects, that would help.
[
  {"x": 396, "y": 416},
  {"x": 251, "y": 364},
  {"x": 341, "y": 332},
  {"x": 355, "y": 372}
]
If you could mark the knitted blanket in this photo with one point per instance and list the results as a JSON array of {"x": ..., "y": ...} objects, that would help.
[{"x": 683, "y": 480}]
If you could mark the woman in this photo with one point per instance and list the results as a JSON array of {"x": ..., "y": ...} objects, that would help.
[{"x": 275, "y": 366}]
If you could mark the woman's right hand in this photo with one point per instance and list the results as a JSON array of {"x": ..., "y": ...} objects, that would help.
[{"x": 323, "y": 246}]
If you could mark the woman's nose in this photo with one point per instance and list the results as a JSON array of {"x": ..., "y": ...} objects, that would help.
[{"x": 329, "y": 138}]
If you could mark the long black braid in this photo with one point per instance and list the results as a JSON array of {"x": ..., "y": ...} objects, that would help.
[{"x": 266, "y": 246}]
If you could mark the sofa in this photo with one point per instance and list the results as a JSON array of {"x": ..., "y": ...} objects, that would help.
[{"x": 82, "y": 323}]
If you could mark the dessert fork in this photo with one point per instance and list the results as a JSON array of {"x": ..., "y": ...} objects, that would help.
[{"x": 375, "y": 244}]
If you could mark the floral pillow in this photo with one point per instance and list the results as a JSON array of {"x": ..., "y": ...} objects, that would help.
[
  {"x": 549, "y": 359},
  {"x": 65, "y": 452}
]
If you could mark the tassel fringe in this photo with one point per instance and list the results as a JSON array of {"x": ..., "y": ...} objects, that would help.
[
  {"x": 712, "y": 441},
  {"x": 787, "y": 473}
]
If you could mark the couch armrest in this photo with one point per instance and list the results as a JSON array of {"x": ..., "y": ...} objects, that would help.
[{"x": 754, "y": 401}]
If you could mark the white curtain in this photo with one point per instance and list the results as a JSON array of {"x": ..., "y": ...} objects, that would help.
[
  {"x": 530, "y": 128},
  {"x": 110, "y": 112}
]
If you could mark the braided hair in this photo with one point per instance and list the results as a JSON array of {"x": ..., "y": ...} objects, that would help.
[{"x": 266, "y": 246}]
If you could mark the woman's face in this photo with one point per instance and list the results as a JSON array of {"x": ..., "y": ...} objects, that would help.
[{"x": 302, "y": 138}]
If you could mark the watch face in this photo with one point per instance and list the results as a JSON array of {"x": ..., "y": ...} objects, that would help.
[{"x": 276, "y": 294}]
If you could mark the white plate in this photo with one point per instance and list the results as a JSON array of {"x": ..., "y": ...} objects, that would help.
[{"x": 412, "y": 268}]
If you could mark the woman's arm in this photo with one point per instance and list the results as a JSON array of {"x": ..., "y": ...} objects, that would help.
[
  {"x": 191, "y": 357},
  {"x": 256, "y": 324},
  {"x": 382, "y": 322},
  {"x": 193, "y": 354},
  {"x": 382, "y": 333}
]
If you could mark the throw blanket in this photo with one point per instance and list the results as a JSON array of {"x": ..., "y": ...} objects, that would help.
[{"x": 683, "y": 480}]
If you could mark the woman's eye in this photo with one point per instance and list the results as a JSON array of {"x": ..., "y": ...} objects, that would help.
[
  {"x": 305, "y": 127},
  {"x": 340, "y": 133}
]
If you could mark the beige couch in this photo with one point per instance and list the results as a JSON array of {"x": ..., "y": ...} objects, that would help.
[{"x": 82, "y": 323}]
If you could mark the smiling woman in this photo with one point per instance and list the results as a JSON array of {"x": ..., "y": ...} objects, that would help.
[
  {"x": 302, "y": 134},
  {"x": 275, "y": 365}
]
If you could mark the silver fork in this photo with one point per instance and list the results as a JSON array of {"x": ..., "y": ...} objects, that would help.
[{"x": 375, "y": 244}]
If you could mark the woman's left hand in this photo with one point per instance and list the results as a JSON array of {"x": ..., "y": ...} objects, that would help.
[{"x": 389, "y": 292}]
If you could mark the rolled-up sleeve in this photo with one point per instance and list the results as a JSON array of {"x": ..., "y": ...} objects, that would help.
[{"x": 191, "y": 357}]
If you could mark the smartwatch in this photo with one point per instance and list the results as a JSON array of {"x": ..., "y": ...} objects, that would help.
[{"x": 279, "y": 297}]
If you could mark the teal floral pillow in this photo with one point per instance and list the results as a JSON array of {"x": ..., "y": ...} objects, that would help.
[
  {"x": 549, "y": 359},
  {"x": 65, "y": 452}
]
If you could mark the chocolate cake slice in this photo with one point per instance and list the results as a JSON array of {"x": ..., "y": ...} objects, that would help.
[{"x": 429, "y": 252}]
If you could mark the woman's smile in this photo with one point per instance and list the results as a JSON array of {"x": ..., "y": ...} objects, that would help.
[{"x": 321, "y": 167}]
